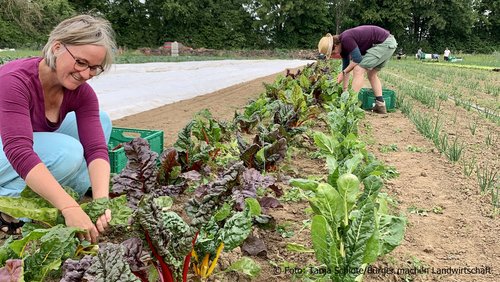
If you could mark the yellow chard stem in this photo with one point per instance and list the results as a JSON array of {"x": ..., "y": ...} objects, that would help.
[
  {"x": 204, "y": 266},
  {"x": 196, "y": 269},
  {"x": 194, "y": 255},
  {"x": 195, "y": 263},
  {"x": 214, "y": 262}
]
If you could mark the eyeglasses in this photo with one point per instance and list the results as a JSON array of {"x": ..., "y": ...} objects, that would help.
[{"x": 82, "y": 65}]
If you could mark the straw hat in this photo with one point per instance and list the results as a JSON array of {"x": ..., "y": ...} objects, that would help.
[{"x": 325, "y": 45}]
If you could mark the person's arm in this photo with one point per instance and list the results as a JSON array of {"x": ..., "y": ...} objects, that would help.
[
  {"x": 95, "y": 149},
  {"x": 355, "y": 60},
  {"x": 99, "y": 171},
  {"x": 41, "y": 181}
]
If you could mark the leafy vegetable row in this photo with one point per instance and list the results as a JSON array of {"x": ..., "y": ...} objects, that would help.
[{"x": 221, "y": 167}]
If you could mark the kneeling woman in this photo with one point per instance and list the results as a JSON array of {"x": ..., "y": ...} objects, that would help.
[{"x": 52, "y": 132}]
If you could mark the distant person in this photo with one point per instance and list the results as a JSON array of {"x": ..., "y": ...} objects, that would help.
[
  {"x": 419, "y": 54},
  {"x": 363, "y": 49},
  {"x": 52, "y": 132},
  {"x": 446, "y": 55},
  {"x": 400, "y": 54}
]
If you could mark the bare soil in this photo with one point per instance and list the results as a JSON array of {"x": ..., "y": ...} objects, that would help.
[{"x": 449, "y": 226}]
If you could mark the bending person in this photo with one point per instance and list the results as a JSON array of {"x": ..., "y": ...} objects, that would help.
[
  {"x": 363, "y": 49},
  {"x": 52, "y": 132}
]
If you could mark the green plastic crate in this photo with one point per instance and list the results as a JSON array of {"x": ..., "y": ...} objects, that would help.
[
  {"x": 367, "y": 98},
  {"x": 117, "y": 158}
]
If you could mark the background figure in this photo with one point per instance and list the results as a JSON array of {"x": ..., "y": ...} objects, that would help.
[
  {"x": 400, "y": 54},
  {"x": 52, "y": 132},
  {"x": 446, "y": 55},
  {"x": 364, "y": 49},
  {"x": 419, "y": 54}
]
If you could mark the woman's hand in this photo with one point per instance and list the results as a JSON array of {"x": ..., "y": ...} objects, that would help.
[
  {"x": 340, "y": 77},
  {"x": 76, "y": 217},
  {"x": 102, "y": 222}
]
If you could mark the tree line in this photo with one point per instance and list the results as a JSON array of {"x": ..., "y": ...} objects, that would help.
[{"x": 471, "y": 26}]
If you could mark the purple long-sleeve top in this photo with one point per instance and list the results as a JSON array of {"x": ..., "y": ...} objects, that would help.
[
  {"x": 356, "y": 41},
  {"x": 363, "y": 37},
  {"x": 22, "y": 112}
]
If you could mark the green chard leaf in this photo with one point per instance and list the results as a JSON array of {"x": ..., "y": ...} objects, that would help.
[
  {"x": 246, "y": 266},
  {"x": 236, "y": 230},
  {"x": 324, "y": 242},
  {"x": 120, "y": 212},
  {"x": 305, "y": 184},
  {"x": 6, "y": 251},
  {"x": 348, "y": 185},
  {"x": 328, "y": 203},
  {"x": 239, "y": 226},
  {"x": 298, "y": 248},
  {"x": 327, "y": 144},
  {"x": 53, "y": 246},
  {"x": 33, "y": 208},
  {"x": 392, "y": 229},
  {"x": 359, "y": 233}
]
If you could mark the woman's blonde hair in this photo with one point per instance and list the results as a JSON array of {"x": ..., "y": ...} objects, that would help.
[{"x": 82, "y": 30}]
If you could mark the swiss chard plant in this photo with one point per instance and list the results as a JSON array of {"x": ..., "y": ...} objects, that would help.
[
  {"x": 223, "y": 232},
  {"x": 169, "y": 237},
  {"x": 198, "y": 141},
  {"x": 139, "y": 175},
  {"x": 46, "y": 242},
  {"x": 324, "y": 87},
  {"x": 31, "y": 205},
  {"x": 193, "y": 153},
  {"x": 286, "y": 116},
  {"x": 261, "y": 155},
  {"x": 344, "y": 114},
  {"x": 351, "y": 226},
  {"x": 225, "y": 211},
  {"x": 169, "y": 177},
  {"x": 252, "y": 114},
  {"x": 113, "y": 262},
  {"x": 232, "y": 188},
  {"x": 41, "y": 251},
  {"x": 142, "y": 176}
]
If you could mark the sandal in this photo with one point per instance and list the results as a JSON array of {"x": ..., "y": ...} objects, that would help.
[{"x": 10, "y": 225}]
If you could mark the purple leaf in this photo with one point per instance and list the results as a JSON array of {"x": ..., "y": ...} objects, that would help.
[
  {"x": 139, "y": 176},
  {"x": 133, "y": 253},
  {"x": 191, "y": 175},
  {"x": 254, "y": 246},
  {"x": 73, "y": 270},
  {"x": 269, "y": 202},
  {"x": 251, "y": 180},
  {"x": 12, "y": 271},
  {"x": 277, "y": 191}
]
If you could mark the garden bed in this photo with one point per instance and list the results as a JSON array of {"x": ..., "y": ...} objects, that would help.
[{"x": 449, "y": 223}]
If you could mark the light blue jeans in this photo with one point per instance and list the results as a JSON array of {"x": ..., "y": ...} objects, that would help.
[{"x": 62, "y": 153}]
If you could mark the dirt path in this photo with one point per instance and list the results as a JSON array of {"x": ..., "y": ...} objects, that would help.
[{"x": 447, "y": 227}]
